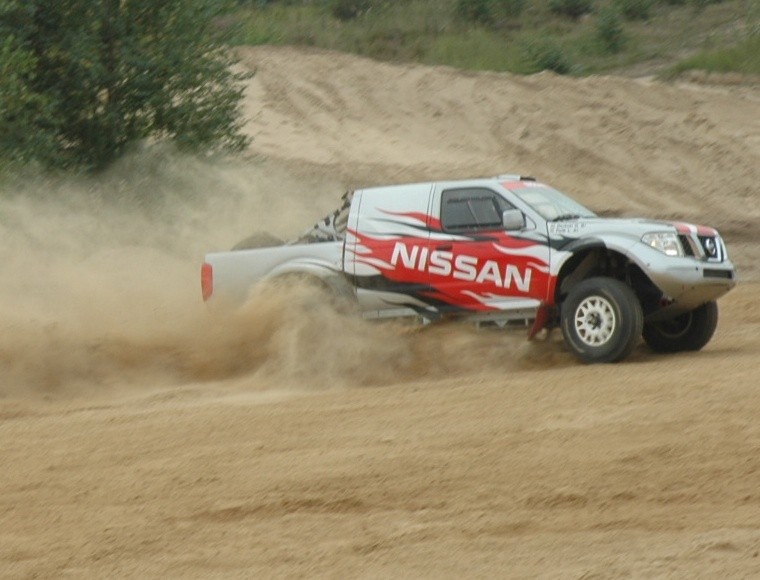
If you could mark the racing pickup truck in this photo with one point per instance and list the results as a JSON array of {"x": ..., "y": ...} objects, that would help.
[{"x": 503, "y": 251}]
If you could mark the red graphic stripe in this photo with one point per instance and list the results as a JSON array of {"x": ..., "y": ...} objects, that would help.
[{"x": 430, "y": 221}]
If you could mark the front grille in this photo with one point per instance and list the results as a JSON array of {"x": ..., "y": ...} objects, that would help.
[{"x": 688, "y": 250}]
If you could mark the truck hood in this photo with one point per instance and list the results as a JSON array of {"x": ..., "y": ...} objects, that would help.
[{"x": 633, "y": 227}]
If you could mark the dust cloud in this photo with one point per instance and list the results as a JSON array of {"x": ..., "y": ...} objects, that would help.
[
  {"x": 100, "y": 280},
  {"x": 101, "y": 289}
]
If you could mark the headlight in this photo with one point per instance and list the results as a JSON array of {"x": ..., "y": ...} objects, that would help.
[{"x": 665, "y": 242}]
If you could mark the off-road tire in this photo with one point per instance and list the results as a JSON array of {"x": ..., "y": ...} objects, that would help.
[
  {"x": 601, "y": 320},
  {"x": 688, "y": 332},
  {"x": 332, "y": 290},
  {"x": 258, "y": 240}
]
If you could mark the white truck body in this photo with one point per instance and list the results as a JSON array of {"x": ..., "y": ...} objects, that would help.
[{"x": 495, "y": 249}]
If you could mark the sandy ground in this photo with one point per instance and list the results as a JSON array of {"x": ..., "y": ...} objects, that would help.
[{"x": 142, "y": 437}]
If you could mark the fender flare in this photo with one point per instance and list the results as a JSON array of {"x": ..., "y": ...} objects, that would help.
[
  {"x": 334, "y": 279},
  {"x": 569, "y": 257},
  {"x": 618, "y": 244},
  {"x": 582, "y": 244}
]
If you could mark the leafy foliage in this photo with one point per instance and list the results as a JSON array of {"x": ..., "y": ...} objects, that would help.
[
  {"x": 545, "y": 54},
  {"x": 609, "y": 29},
  {"x": 635, "y": 9},
  {"x": 571, "y": 8},
  {"x": 489, "y": 12},
  {"x": 349, "y": 9},
  {"x": 20, "y": 133},
  {"x": 703, "y": 3},
  {"x": 478, "y": 11},
  {"x": 92, "y": 77}
]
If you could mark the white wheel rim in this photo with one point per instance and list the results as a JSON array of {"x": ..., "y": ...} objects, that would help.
[{"x": 595, "y": 321}]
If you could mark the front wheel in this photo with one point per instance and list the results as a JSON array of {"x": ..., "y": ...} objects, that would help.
[
  {"x": 601, "y": 320},
  {"x": 689, "y": 331}
]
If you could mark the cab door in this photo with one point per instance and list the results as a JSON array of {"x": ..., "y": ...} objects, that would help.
[
  {"x": 475, "y": 263},
  {"x": 387, "y": 246}
]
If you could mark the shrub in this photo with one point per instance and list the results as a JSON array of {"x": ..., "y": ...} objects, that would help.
[
  {"x": 609, "y": 29},
  {"x": 545, "y": 54},
  {"x": 571, "y": 8},
  {"x": 508, "y": 9},
  {"x": 703, "y": 3},
  {"x": 489, "y": 12},
  {"x": 635, "y": 9},
  {"x": 349, "y": 9},
  {"x": 478, "y": 11}
]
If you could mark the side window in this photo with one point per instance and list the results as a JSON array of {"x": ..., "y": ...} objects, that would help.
[{"x": 472, "y": 209}]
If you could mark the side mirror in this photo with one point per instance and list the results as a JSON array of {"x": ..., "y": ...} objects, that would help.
[{"x": 513, "y": 219}]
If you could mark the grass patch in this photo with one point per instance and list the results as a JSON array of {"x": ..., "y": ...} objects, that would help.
[
  {"x": 742, "y": 58},
  {"x": 477, "y": 49},
  {"x": 535, "y": 37}
]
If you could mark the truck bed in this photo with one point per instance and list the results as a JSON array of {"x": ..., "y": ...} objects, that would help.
[{"x": 235, "y": 273}]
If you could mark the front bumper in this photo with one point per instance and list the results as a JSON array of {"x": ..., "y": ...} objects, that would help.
[{"x": 688, "y": 282}]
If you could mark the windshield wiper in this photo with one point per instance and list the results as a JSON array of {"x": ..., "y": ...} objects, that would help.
[{"x": 567, "y": 216}]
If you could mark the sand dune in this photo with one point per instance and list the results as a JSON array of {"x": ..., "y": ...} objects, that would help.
[
  {"x": 144, "y": 438},
  {"x": 628, "y": 145}
]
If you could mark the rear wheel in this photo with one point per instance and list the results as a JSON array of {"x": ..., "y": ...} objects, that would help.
[
  {"x": 334, "y": 291},
  {"x": 601, "y": 320},
  {"x": 689, "y": 331},
  {"x": 257, "y": 240}
]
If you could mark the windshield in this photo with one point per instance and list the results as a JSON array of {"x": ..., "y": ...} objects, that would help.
[{"x": 550, "y": 203}]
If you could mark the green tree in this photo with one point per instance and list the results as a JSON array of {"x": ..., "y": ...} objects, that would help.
[
  {"x": 88, "y": 78},
  {"x": 21, "y": 133}
]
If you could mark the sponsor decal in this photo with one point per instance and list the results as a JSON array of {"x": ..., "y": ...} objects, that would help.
[
  {"x": 480, "y": 271},
  {"x": 569, "y": 228},
  {"x": 461, "y": 267}
]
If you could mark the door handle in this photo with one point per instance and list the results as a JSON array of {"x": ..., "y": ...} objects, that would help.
[{"x": 444, "y": 247}]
